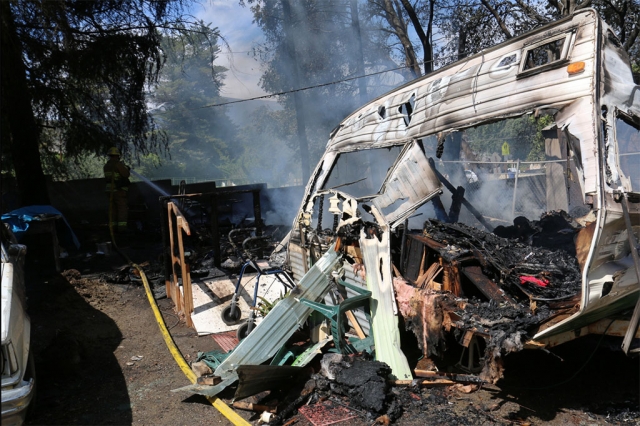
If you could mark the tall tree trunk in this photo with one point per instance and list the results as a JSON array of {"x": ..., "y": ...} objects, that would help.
[
  {"x": 24, "y": 134},
  {"x": 425, "y": 37},
  {"x": 297, "y": 98},
  {"x": 355, "y": 23},
  {"x": 462, "y": 42},
  {"x": 395, "y": 20}
]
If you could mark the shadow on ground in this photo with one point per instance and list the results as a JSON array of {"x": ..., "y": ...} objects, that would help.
[
  {"x": 74, "y": 346},
  {"x": 591, "y": 375}
]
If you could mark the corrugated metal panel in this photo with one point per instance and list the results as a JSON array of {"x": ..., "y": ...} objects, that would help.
[
  {"x": 297, "y": 261},
  {"x": 386, "y": 335},
  {"x": 279, "y": 324}
]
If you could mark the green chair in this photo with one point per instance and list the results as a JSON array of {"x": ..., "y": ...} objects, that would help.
[{"x": 335, "y": 314}]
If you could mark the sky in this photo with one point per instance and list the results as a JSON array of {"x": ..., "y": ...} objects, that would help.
[{"x": 236, "y": 25}]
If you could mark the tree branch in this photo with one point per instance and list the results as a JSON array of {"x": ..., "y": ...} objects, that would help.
[
  {"x": 499, "y": 20},
  {"x": 424, "y": 38},
  {"x": 532, "y": 13}
]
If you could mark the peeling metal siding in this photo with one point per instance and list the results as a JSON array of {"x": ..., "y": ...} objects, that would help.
[
  {"x": 279, "y": 324},
  {"x": 579, "y": 119},
  {"x": 411, "y": 180},
  {"x": 456, "y": 98},
  {"x": 384, "y": 315}
]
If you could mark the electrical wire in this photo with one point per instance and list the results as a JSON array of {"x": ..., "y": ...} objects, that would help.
[{"x": 317, "y": 85}]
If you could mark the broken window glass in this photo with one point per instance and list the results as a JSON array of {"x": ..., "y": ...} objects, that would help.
[
  {"x": 628, "y": 139},
  {"x": 406, "y": 109},
  {"x": 508, "y": 60},
  {"x": 361, "y": 173},
  {"x": 544, "y": 54}
]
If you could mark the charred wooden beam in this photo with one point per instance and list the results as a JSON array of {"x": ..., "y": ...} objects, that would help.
[
  {"x": 464, "y": 201},
  {"x": 460, "y": 378},
  {"x": 486, "y": 286}
]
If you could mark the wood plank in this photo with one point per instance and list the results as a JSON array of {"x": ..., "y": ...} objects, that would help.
[{"x": 486, "y": 286}]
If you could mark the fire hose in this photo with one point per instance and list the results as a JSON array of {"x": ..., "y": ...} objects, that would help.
[{"x": 223, "y": 408}]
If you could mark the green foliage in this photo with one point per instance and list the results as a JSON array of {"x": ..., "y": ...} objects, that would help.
[
  {"x": 200, "y": 138},
  {"x": 523, "y": 134},
  {"x": 264, "y": 306},
  {"x": 86, "y": 67}
]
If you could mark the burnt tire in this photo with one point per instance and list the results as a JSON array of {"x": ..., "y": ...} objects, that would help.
[
  {"x": 231, "y": 315},
  {"x": 245, "y": 329}
]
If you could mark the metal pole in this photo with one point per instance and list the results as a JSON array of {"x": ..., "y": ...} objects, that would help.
[{"x": 515, "y": 188}]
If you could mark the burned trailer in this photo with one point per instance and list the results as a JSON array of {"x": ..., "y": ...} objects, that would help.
[{"x": 495, "y": 199}]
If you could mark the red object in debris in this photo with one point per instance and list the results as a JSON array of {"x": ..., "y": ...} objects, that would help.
[{"x": 533, "y": 280}]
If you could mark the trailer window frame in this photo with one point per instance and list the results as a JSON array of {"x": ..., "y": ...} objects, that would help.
[
  {"x": 568, "y": 41},
  {"x": 624, "y": 167}
]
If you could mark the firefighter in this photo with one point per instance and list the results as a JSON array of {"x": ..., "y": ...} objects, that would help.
[
  {"x": 506, "y": 151},
  {"x": 117, "y": 175},
  {"x": 506, "y": 154}
]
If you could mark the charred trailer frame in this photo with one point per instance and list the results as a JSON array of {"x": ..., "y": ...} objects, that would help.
[{"x": 524, "y": 143}]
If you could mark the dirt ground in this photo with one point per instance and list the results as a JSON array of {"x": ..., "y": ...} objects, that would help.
[{"x": 100, "y": 359}]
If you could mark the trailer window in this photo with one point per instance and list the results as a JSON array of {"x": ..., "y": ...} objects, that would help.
[
  {"x": 628, "y": 140},
  {"x": 545, "y": 54},
  {"x": 507, "y": 61},
  {"x": 361, "y": 173}
]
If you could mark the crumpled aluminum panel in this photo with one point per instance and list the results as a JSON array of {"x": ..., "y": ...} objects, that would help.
[
  {"x": 277, "y": 327},
  {"x": 384, "y": 315}
]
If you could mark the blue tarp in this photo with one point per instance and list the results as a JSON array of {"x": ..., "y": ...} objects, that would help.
[{"x": 19, "y": 221}]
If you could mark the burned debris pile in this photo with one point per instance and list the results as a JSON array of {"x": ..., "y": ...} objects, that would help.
[
  {"x": 501, "y": 290},
  {"x": 336, "y": 327},
  {"x": 526, "y": 264}
]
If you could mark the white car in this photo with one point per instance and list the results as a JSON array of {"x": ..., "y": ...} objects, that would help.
[{"x": 18, "y": 371}]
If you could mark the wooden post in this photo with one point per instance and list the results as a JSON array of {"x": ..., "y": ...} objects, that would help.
[
  {"x": 183, "y": 300},
  {"x": 215, "y": 229}
]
